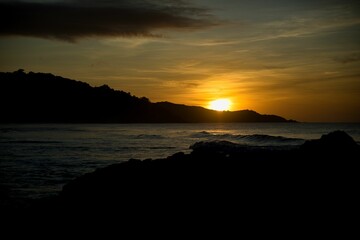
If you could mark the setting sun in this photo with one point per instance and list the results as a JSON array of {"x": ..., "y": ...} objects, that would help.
[{"x": 220, "y": 105}]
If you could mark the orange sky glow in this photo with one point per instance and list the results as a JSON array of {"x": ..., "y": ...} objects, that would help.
[{"x": 296, "y": 59}]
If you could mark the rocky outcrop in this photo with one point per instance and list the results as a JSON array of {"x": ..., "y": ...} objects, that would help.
[
  {"x": 334, "y": 142},
  {"x": 218, "y": 175},
  {"x": 218, "y": 180}
]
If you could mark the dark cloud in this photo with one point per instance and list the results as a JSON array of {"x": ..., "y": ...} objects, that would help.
[
  {"x": 73, "y": 19},
  {"x": 355, "y": 57}
]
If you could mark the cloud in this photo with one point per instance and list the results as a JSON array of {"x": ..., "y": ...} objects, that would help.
[
  {"x": 355, "y": 57},
  {"x": 327, "y": 20},
  {"x": 74, "y": 19}
]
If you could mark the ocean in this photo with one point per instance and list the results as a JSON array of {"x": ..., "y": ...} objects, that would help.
[{"x": 36, "y": 160}]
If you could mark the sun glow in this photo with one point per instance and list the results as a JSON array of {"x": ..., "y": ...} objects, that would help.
[{"x": 220, "y": 105}]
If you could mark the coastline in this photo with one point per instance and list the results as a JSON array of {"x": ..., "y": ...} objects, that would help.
[{"x": 218, "y": 173}]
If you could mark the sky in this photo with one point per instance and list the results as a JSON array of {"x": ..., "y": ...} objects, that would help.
[{"x": 296, "y": 59}]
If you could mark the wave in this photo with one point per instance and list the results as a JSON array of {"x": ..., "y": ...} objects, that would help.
[
  {"x": 148, "y": 136},
  {"x": 201, "y": 134},
  {"x": 159, "y": 148},
  {"x": 31, "y": 142},
  {"x": 254, "y": 139},
  {"x": 40, "y": 129},
  {"x": 266, "y": 138}
]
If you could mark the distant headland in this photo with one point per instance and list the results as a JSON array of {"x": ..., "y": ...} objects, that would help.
[{"x": 45, "y": 98}]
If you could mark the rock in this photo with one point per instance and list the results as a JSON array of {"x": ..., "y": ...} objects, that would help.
[
  {"x": 334, "y": 142},
  {"x": 217, "y": 178}
]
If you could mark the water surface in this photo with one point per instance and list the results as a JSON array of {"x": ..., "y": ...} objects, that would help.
[{"x": 36, "y": 160}]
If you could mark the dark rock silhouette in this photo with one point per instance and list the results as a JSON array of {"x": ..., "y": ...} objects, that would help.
[
  {"x": 40, "y": 98},
  {"x": 336, "y": 142},
  {"x": 219, "y": 182},
  {"x": 223, "y": 175}
]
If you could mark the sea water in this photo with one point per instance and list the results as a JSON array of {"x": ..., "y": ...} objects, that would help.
[{"x": 36, "y": 160}]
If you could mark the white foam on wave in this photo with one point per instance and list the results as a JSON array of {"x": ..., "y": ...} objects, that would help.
[{"x": 254, "y": 139}]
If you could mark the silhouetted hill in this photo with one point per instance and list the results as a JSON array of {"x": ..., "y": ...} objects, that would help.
[{"x": 43, "y": 97}]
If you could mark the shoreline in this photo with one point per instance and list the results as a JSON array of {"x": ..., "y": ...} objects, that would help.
[{"x": 212, "y": 168}]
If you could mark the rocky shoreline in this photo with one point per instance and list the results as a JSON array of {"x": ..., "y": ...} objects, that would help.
[{"x": 215, "y": 177}]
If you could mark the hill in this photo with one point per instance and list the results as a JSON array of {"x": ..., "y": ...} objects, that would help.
[{"x": 45, "y": 98}]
